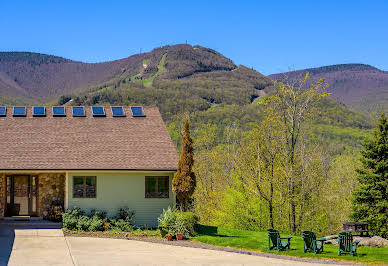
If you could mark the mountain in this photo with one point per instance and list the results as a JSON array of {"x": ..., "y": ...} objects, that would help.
[
  {"x": 38, "y": 78},
  {"x": 359, "y": 86},
  {"x": 184, "y": 81}
]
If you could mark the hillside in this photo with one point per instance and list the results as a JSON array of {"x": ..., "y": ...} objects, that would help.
[
  {"x": 38, "y": 78},
  {"x": 362, "y": 87},
  {"x": 182, "y": 80}
]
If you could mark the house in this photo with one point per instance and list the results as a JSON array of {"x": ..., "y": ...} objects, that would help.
[{"x": 94, "y": 157}]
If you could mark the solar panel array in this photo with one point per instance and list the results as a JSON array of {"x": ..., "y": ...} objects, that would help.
[{"x": 77, "y": 111}]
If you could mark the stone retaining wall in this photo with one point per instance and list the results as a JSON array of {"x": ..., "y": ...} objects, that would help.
[{"x": 51, "y": 188}]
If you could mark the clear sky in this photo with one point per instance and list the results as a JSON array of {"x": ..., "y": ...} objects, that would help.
[{"x": 270, "y": 36}]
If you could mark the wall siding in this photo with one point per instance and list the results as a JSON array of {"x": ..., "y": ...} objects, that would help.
[{"x": 115, "y": 190}]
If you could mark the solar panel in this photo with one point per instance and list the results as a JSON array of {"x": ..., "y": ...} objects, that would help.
[
  {"x": 78, "y": 111},
  {"x": 19, "y": 111},
  {"x": 39, "y": 111},
  {"x": 59, "y": 111},
  {"x": 117, "y": 111},
  {"x": 98, "y": 111},
  {"x": 137, "y": 111},
  {"x": 3, "y": 111}
]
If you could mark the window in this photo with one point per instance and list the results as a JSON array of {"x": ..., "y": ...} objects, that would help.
[
  {"x": 137, "y": 111},
  {"x": 98, "y": 111},
  {"x": 3, "y": 111},
  {"x": 39, "y": 111},
  {"x": 84, "y": 186},
  {"x": 157, "y": 187},
  {"x": 59, "y": 111},
  {"x": 78, "y": 111},
  {"x": 19, "y": 111},
  {"x": 117, "y": 111}
]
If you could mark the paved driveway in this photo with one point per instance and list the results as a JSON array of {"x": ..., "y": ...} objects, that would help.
[{"x": 26, "y": 246}]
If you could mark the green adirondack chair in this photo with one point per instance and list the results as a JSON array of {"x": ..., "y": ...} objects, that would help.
[
  {"x": 274, "y": 236},
  {"x": 346, "y": 244},
  {"x": 310, "y": 242}
]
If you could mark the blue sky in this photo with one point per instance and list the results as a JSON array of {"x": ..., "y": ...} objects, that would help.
[{"x": 270, "y": 36}]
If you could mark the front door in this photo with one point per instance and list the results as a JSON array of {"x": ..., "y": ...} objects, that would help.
[{"x": 21, "y": 195}]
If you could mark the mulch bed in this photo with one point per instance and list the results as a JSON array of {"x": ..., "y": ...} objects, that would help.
[{"x": 194, "y": 244}]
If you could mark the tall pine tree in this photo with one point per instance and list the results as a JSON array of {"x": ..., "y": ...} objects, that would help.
[
  {"x": 184, "y": 181},
  {"x": 370, "y": 200}
]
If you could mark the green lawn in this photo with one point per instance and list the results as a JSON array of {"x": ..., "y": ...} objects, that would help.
[{"x": 259, "y": 241}]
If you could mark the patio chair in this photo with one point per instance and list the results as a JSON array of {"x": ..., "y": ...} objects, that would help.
[
  {"x": 346, "y": 244},
  {"x": 310, "y": 242},
  {"x": 274, "y": 236}
]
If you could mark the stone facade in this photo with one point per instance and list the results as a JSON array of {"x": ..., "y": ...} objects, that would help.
[
  {"x": 2, "y": 191},
  {"x": 51, "y": 188}
]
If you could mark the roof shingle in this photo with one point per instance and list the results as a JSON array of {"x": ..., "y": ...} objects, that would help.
[{"x": 86, "y": 143}]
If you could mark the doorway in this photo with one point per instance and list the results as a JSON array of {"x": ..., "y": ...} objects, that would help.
[{"x": 21, "y": 195}]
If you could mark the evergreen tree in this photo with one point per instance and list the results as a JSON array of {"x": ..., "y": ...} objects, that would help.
[
  {"x": 370, "y": 200},
  {"x": 184, "y": 182}
]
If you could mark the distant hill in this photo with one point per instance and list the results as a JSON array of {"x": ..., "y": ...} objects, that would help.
[
  {"x": 362, "y": 87},
  {"x": 183, "y": 81},
  {"x": 38, "y": 78}
]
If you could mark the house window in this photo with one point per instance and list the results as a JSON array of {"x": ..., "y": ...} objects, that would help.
[
  {"x": 84, "y": 186},
  {"x": 157, "y": 187}
]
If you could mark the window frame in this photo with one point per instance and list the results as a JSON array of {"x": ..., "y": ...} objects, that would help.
[
  {"x": 84, "y": 187},
  {"x": 157, "y": 187}
]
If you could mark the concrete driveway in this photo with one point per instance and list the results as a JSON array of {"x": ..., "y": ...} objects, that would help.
[{"x": 38, "y": 246}]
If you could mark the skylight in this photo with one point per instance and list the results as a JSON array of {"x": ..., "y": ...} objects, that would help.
[
  {"x": 78, "y": 111},
  {"x": 117, "y": 111},
  {"x": 19, "y": 111},
  {"x": 98, "y": 111},
  {"x": 59, "y": 111},
  {"x": 38, "y": 111},
  {"x": 3, "y": 111},
  {"x": 137, "y": 111}
]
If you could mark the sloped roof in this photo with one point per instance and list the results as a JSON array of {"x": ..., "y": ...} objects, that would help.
[{"x": 86, "y": 143}]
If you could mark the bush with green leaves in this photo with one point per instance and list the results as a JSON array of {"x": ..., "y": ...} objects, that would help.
[
  {"x": 175, "y": 221},
  {"x": 70, "y": 218},
  {"x": 75, "y": 219}
]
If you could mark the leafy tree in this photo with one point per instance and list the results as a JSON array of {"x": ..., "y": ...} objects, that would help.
[
  {"x": 370, "y": 200},
  {"x": 184, "y": 181},
  {"x": 295, "y": 102}
]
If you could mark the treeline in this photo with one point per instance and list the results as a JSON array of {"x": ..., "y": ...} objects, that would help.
[{"x": 277, "y": 174}]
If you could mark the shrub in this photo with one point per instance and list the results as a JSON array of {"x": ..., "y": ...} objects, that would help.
[
  {"x": 125, "y": 214},
  {"x": 167, "y": 218},
  {"x": 175, "y": 221},
  {"x": 121, "y": 225},
  {"x": 70, "y": 218},
  {"x": 75, "y": 219},
  {"x": 185, "y": 222},
  {"x": 83, "y": 223},
  {"x": 97, "y": 221}
]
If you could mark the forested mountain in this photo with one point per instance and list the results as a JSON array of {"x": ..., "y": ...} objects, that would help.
[
  {"x": 183, "y": 81},
  {"x": 38, "y": 78},
  {"x": 362, "y": 87}
]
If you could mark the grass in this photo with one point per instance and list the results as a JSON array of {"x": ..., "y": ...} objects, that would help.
[{"x": 259, "y": 241}]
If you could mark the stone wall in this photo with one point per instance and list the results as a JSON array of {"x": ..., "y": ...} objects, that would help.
[
  {"x": 51, "y": 188},
  {"x": 2, "y": 191}
]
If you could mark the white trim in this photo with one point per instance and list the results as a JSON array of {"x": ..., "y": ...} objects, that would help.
[{"x": 66, "y": 201}]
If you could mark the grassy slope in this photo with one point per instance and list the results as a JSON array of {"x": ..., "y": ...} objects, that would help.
[{"x": 259, "y": 241}]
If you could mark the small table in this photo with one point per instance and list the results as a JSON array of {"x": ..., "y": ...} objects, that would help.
[{"x": 356, "y": 227}]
